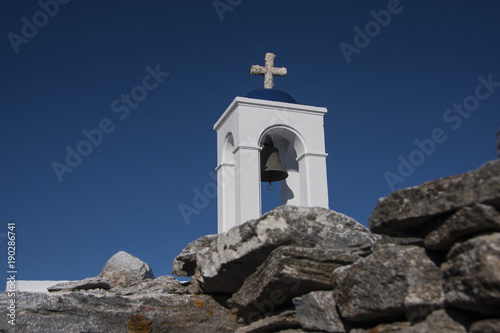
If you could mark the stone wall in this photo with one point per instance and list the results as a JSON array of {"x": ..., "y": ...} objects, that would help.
[{"x": 431, "y": 263}]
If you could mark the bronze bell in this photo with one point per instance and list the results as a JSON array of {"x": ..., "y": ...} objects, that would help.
[{"x": 271, "y": 169}]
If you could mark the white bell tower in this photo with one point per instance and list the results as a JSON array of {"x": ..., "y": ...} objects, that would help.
[{"x": 297, "y": 131}]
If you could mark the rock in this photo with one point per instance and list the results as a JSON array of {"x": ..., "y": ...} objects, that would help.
[
  {"x": 384, "y": 328},
  {"x": 486, "y": 326},
  {"x": 185, "y": 262},
  {"x": 472, "y": 275},
  {"x": 465, "y": 222},
  {"x": 124, "y": 270},
  {"x": 231, "y": 257},
  {"x": 317, "y": 311},
  {"x": 83, "y": 312},
  {"x": 406, "y": 211},
  {"x": 163, "y": 285},
  {"x": 439, "y": 321},
  {"x": 391, "y": 283},
  {"x": 281, "y": 321},
  {"x": 85, "y": 284},
  {"x": 288, "y": 272}
]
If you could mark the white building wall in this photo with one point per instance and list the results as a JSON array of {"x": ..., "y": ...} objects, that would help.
[{"x": 299, "y": 135}]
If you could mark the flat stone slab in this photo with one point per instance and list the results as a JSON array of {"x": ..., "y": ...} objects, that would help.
[
  {"x": 276, "y": 323},
  {"x": 406, "y": 211},
  {"x": 464, "y": 223},
  {"x": 84, "y": 312},
  {"x": 288, "y": 272},
  {"x": 85, "y": 284},
  {"x": 229, "y": 258}
]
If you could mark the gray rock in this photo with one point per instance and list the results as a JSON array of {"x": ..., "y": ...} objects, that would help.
[
  {"x": 472, "y": 275},
  {"x": 392, "y": 282},
  {"x": 486, "y": 326},
  {"x": 231, "y": 257},
  {"x": 124, "y": 270},
  {"x": 85, "y": 284},
  {"x": 288, "y": 272},
  {"x": 384, "y": 328},
  {"x": 465, "y": 222},
  {"x": 185, "y": 262},
  {"x": 281, "y": 321},
  {"x": 406, "y": 211},
  {"x": 438, "y": 321},
  {"x": 317, "y": 311},
  {"x": 83, "y": 312}
]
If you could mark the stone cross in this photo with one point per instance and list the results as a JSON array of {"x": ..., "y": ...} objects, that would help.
[{"x": 268, "y": 71}]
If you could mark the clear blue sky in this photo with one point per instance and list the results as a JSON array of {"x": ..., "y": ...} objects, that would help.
[{"x": 383, "y": 91}]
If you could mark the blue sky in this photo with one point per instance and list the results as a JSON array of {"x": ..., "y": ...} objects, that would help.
[{"x": 412, "y": 90}]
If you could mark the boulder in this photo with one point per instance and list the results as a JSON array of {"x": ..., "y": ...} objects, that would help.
[
  {"x": 393, "y": 282},
  {"x": 276, "y": 323},
  {"x": 472, "y": 275},
  {"x": 84, "y": 312},
  {"x": 316, "y": 311},
  {"x": 406, "y": 211},
  {"x": 229, "y": 258},
  {"x": 123, "y": 270},
  {"x": 485, "y": 326},
  {"x": 467, "y": 221},
  {"x": 288, "y": 272},
  {"x": 85, "y": 284},
  {"x": 185, "y": 262}
]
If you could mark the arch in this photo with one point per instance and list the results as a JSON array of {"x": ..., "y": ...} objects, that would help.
[
  {"x": 291, "y": 145},
  {"x": 227, "y": 152},
  {"x": 289, "y": 134}
]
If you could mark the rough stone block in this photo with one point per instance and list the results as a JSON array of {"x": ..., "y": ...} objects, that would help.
[
  {"x": 288, "y": 272},
  {"x": 123, "y": 270},
  {"x": 229, "y": 258},
  {"x": 465, "y": 222},
  {"x": 406, "y": 211},
  {"x": 316, "y": 311},
  {"x": 391, "y": 283},
  {"x": 472, "y": 275}
]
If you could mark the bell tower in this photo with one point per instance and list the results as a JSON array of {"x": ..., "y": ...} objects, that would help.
[{"x": 252, "y": 123}]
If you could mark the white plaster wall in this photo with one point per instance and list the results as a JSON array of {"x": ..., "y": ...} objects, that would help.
[{"x": 298, "y": 130}]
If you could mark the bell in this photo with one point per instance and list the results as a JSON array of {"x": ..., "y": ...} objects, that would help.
[{"x": 271, "y": 169}]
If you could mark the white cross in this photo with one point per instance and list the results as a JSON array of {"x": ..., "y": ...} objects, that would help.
[{"x": 268, "y": 71}]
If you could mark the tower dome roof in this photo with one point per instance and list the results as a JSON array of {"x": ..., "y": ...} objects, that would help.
[{"x": 271, "y": 95}]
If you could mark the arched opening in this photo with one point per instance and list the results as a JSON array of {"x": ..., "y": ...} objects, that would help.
[{"x": 290, "y": 146}]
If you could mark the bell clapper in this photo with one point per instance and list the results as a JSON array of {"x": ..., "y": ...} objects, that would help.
[{"x": 270, "y": 187}]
